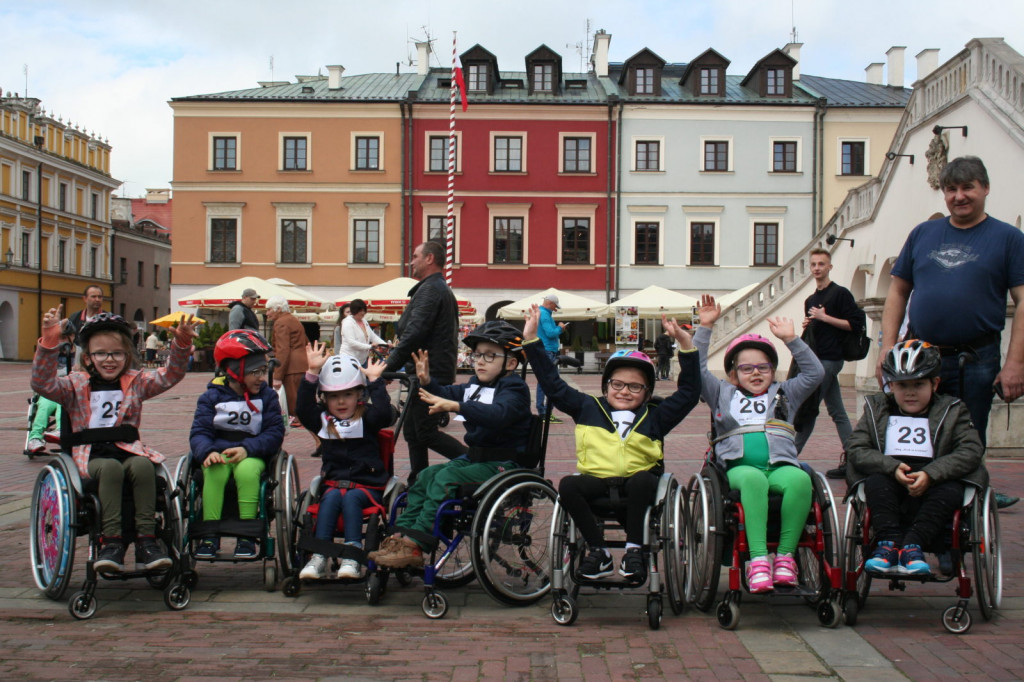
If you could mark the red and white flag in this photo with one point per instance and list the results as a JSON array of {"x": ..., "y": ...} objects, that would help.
[{"x": 460, "y": 80}]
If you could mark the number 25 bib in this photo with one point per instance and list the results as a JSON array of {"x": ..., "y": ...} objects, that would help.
[
  {"x": 103, "y": 408},
  {"x": 908, "y": 437}
]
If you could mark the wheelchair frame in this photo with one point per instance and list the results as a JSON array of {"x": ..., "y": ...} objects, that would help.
[
  {"x": 62, "y": 511},
  {"x": 664, "y": 531},
  {"x": 974, "y": 532}
]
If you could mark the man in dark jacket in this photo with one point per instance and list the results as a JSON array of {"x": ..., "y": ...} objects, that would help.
[
  {"x": 663, "y": 347},
  {"x": 430, "y": 322},
  {"x": 241, "y": 315}
]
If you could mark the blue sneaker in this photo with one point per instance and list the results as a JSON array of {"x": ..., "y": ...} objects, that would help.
[
  {"x": 912, "y": 561},
  {"x": 208, "y": 548},
  {"x": 245, "y": 549},
  {"x": 885, "y": 558}
]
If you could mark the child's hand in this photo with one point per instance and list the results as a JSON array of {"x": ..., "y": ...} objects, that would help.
[
  {"x": 532, "y": 321},
  {"x": 901, "y": 475},
  {"x": 438, "y": 404},
  {"x": 213, "y": 458},
  {"x": 673, "y": 329},
  {"x": 783, "y": 328},
  {"x": 709, "y": 311},
  {"x": 185, "y": 332},
  {"x": 52, "y": 325},
  {"x": 234, "y": 455},
  {"x": 919, "y": 483},
  {"x": 316, "y": 356},
  {"x": 374, "y": 369},
  {"x": 422, "y": 360}
]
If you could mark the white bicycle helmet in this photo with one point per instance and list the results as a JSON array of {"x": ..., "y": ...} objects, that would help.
[{"x": 340, "y": 373}]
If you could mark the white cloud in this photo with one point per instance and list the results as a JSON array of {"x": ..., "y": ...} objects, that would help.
[{"x": 111, "y": 66}]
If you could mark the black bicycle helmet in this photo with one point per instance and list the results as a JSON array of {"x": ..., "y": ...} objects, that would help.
[
  {"x": 105, "y": 322},
  {"x": 629, "y": 358},
  {"x": 912, "y": 359},
  {"x": 499, "y": 333}
]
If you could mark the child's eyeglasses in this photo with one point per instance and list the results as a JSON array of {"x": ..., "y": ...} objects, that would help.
[
  {"x": 486, "y": 357},
  {"x": 617, "y": 385},
  {"x": 762, "y": 367},
  {"x": 115, "y": 355},
  {"x": 261, "y": 372}
]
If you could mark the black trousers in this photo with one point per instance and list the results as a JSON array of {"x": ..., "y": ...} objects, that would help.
[
  {"x": 421, "y": 431},
  {"x": 890, "y": 503},
  {"x": 575, "y": 492}
]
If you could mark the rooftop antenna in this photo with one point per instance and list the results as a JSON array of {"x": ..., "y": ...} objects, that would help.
[
  {"x": 582, "y": 47},
  {"x": 24, "y": 69},
  {"x": 271, "y": 68},
  {"x": 792, "y": 21}
]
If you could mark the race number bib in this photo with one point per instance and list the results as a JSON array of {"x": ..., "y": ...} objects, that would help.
[
  {"x": 103, "y": 408},
  {"x": 623, "y": 420},
  {"x": 236, "y": 415},
  {"x": 476, "y": 394},
  {"x": 908, "y": 437},
  {"x": 344, "y": 428},
  {"x": 748, "y": 410}
]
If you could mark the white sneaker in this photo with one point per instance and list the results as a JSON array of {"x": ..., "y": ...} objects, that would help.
[
  {"x": 36, "y": 445},
  {"x": 315, "y": 569},
  {"x": 350, "y": 568}
]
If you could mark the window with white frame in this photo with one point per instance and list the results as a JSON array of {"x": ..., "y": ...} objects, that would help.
[
  {"x": 775, "y": 81},
  {"x": 508, "y": 154},
  {"x": 26, "y": 185},
  {"x": 716, "y": 156},
  {"x": 702, "y": 243},
  {"x": 366, "y": 233},
  {"x": 62, "y": 255},
  {"x": 644, "y": 80},
  {"x": 295, "y": 152},
  {"x": 766, "y": 244},
  {"x": 577, "y": 154},
  {"x": 543, "y": 77},
  {"x": 508, "y": 239},
  {"x": 62, "y": 196},
  {"x": 294, "y": 238},
  {"x": 225, "y": 152},
  {"x": 367, "y": 152},
  {"x": 477, "y": 80},
  {"x": 437, "y": 153},
  {"x": 785, "y": 156},
  {"x": 646, "y": 242},
  {"x": 437, "y": 228},
  {"x": 647, "y": 155},
  {"x": 223, "y": 233},
  {"x": 435, "y": 224},
  {"x": 852, "y": 157},
  {"x": 576, "y": 241}
]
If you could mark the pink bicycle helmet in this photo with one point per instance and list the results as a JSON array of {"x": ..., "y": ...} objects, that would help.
[
  {"x": 629, "y": 358},
  {"x": 750, "y": 341}
]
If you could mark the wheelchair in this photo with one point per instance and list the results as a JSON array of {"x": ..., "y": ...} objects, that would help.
[
  {"x": 974, "y": 532},
  {"x": 280, "y": 476},
  {"x": 300, "y": 542},
  {"x": 496, "y": 532},
  {"x": 717, "y": 537},
  {"x": 664, "y": 533},
  {"x": 51, "y": 436},
  {"x": 65, "y": 507}
]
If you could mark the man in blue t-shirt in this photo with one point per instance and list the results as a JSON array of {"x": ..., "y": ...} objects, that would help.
[
  {"x": 960, "y": 269},
  {"x": 549, "y": 333}
]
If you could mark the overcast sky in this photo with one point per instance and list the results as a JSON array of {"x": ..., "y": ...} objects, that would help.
[{"x": 111, "y": 65}]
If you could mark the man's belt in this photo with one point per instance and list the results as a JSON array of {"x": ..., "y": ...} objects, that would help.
[{"x": 972, "y": 345}]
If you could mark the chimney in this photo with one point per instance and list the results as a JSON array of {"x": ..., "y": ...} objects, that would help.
[
  {"x": 793, "y": 50},
  {"x": 873, "y": 74},
  {"x": 334, "y": 72},
  {"x": 895, "y": 55},
  {"x": 927, "y": 61},
  {"x": 599, "y": 57},
  {"x": 423, "y": 58}
]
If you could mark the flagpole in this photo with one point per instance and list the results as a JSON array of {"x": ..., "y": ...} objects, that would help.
[{"x": 450, "y": 220}]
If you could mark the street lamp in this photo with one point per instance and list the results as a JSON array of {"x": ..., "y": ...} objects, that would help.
[
  {"x": 832, "y": 239},
  {"x": 894, "y": 155},
  {"x": 937, "y": 130},
  {"x": 8, "y": 259}
]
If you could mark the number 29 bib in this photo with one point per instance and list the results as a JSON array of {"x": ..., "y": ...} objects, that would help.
[
  {"x": 236, "y": 415},
  {"x": 908, "y": 437}
]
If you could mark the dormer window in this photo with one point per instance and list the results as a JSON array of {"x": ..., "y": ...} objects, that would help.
[
  {"x": 644, "y": 80},
  {"x": 543, "y": 77},
  {"x": 710, "y": 80},
  {"x": 641, "y": 73},
  {"x": 775, "y": 81},
  {"x": 477, "y": 80},
  {"x": 772, "y": 76},
  {"x": 544, "y": 70}
]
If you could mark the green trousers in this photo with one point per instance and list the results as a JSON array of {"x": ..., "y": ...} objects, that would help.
[{"x": 754, "y": 484}]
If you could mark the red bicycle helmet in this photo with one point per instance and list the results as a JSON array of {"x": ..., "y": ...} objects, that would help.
[
  {"x": 233, "y": 348},
  {"x": 750, "y": 341}
]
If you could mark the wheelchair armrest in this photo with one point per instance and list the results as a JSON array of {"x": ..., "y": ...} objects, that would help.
[{"x": 314, "y": 487}]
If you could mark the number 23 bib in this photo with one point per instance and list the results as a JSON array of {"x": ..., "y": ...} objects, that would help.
[{"x": 908, "y": 437}]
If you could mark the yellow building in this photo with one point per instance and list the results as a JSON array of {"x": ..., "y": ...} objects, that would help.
[{"x": 55, "y": 233}]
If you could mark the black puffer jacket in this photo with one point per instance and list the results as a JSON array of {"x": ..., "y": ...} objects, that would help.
[{"x": 430, "y": 322}]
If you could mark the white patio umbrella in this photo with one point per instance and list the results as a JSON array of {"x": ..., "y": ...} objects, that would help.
[
  {"x": 655, "y": 301},
  {"x": 572, "y": 306},
  {"x": 222, "y": 295}
]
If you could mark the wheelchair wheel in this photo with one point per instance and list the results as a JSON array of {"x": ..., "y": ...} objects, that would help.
[
  {"x": 457, "y": 570},
  {"x": 564, "y": 610},
  {"x": 177, "y": 596},
  {"x": 510, "y": 540},
  {"x": 855, "y": 553},
  {"x": 813, "y": 570},
  {"x": 654, "y": 612},
  {"x": 54, "y": 516},
  {"x": 286, "y": 497},
  {"x": 704, "y": 539},
  {"x": 563, "y": 544},
  {"x": 82, "y": 606},
  {"x": 956, "y": 620},
  {"x": 986, "y": 553},
  {"x": 435, "y": 605},
  {"x": 676, "y": 556},
  {"x": 376, "y": 586}
]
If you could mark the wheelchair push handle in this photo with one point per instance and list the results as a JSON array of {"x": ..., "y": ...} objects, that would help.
[{"x": 410, "y": 386}]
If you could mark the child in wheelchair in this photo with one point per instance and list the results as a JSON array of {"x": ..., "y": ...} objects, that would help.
[
  {"x": 754, "y": 442},
  {"x": 619, "y": 439},
  {"x": 104, "y": 407},
  {"x": 353, "y": 406},
  {"x": 913, "y": 448},
  {"x": 44, "y": 412},
  {"x": 495, "y": 407},
  {"x": 237, "y": 428}
]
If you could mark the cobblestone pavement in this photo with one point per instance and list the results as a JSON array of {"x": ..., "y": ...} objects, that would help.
[{"x": 233, "y": 629}]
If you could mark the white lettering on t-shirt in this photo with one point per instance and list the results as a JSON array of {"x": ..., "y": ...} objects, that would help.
[
  {"x": 476, "y": 394},
  {"x": 908, "y": 437},
  {"x": 345, "y": 428},
  {"x": 623, "y": 420},
  {"x": 748, "y": 410},
  {"x": 103, "y": 408},
  {"x": 236, "y": 415}
]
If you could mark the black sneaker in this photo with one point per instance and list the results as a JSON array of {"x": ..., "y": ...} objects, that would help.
[
  {"x": 245, "y": 549},
  {"x": 632, "y": 566},
  {"x": 110, "y": 558},
  {"x": 208, "y": 548},
  {"x": 1003, "y": 501},
  {"x": 150, "y": 555},
  {"x": 838, "y": 473},
  {"x": 597, "y": 564}
]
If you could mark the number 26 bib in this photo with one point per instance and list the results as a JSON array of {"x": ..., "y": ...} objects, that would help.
[{"x": 748, "y": 410}]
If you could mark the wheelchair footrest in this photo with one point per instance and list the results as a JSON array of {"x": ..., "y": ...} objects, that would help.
[
  {"x": 249, "y": 528},
  {"x": 328, "y": 548}
]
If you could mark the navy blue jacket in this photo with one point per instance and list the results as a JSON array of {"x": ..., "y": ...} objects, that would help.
[
  {"x": 215, "y": 430},
  {"x": 349, "y": 459},
  {"x": 505, "y": 423}
]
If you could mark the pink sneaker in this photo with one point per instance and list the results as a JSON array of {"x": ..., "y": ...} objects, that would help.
[
  {"x": 759, "y": 575},
  {"x": 784, "y": 572}
]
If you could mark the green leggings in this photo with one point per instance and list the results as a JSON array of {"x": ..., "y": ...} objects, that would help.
[
  {"x": 44, "y": 408},
  {"x": 754, "y": 484},
  {"x": 247, "y": 481}
]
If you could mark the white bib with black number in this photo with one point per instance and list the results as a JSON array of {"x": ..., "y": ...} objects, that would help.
[
  {"x": 236, "y": 415},
  {"x": 344, "y": 428},
  {"x": 103, "y": 408},
  {"x": 908, "y": 437},
  {"x": 624, "y": 420},
  {"x": 476, "y": 394},
  {"x": 749, "y": 410}
]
